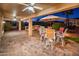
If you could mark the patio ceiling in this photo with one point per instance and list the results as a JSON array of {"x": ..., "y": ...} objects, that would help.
[{"x": 6, "y": 9}]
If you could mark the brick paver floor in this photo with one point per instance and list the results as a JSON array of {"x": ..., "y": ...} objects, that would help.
[{"x": 17, "y": 43}]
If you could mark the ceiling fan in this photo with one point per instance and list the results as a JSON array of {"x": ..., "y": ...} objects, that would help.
[
  {"x": 14, "y": 15},
  {"x": 30, "y": 7}
]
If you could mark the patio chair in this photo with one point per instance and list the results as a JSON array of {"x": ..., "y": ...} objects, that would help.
[
  {"x": 50, "y": 37},
  {"x": 42, "y": 33},
  {"x": 60, "y": 36}
]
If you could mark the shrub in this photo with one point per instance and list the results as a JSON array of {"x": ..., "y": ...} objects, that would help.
[{"x": 56, "y": 26}]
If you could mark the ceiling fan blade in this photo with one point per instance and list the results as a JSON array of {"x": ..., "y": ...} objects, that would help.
[
  {"x": 23, "y": 4},
  {"x": 17, "y": 17},
  {"x": 38, "y": 7},
  {"x": 33, "y": 10},
  {"x": 14, "y": 13},
  {"x": 25, "y": 9}
]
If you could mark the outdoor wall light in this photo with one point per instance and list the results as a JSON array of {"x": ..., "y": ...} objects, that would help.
[
  {"x": 14, "y": 19},
  {"x": 3, "y": 22}
]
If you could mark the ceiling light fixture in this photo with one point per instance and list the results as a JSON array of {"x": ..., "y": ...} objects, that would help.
[{"x": 31, "y": 9}]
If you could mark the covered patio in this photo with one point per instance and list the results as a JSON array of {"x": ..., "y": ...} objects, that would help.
[{"x": 19, "y": 33}]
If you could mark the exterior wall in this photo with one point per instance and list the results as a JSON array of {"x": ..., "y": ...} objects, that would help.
[{"x": 75, "y": 22}]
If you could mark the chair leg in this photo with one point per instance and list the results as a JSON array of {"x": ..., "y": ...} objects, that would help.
[
  {"x": 62, "y": 40},
  {"x": 58, "y": 40},
  {"x": 41, "y": 38},
  {"x": 47, "y": 44}
]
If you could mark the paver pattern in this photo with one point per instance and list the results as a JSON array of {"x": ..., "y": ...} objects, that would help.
[{"x": 17, "y": 43}]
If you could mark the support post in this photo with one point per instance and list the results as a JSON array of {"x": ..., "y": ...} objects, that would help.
[
  {"x": 19, "y": 25},
  {"x": 30, "y": 27},
  {"x": 1, "y": 27}
]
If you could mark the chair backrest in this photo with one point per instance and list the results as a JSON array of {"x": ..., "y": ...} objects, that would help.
[
  {"x": 61, "y": 29},
  {"x": 61, "y": 33},
  {"x": 41, "y": 30},
  {"x": 50, "y": 33},
  {"x": 65, "y": 30}
]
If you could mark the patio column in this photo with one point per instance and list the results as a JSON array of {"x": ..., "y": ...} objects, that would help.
[
  {"x": 19, "y": 25},
  {"x": 1, "y": 26},
  {"x": 2, "y": 23},
  {"x": 30, "y": 27}
]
